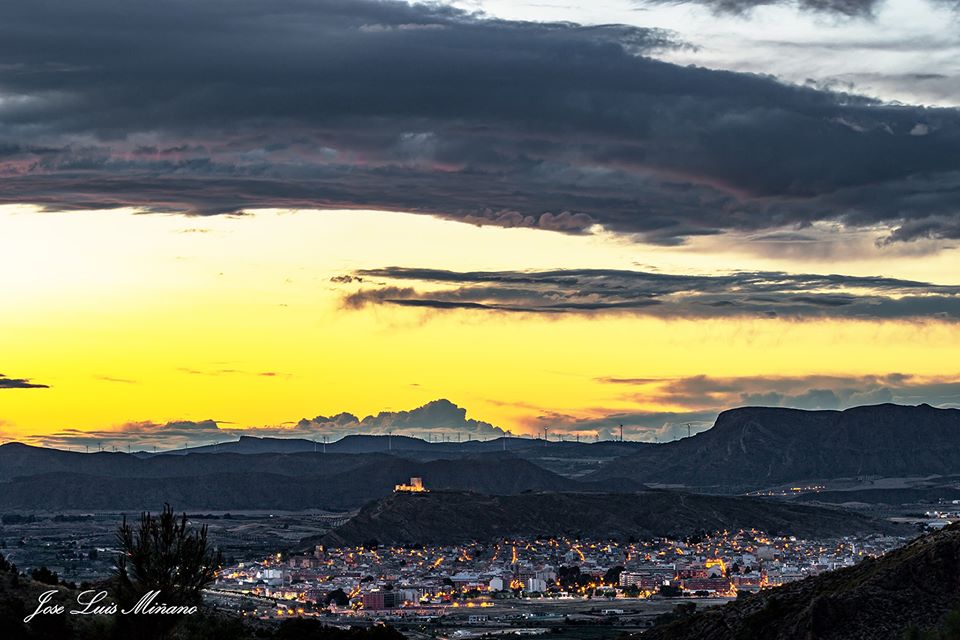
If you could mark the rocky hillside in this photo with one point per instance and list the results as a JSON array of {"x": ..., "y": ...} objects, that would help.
[
  {"x": 879, "y": 599},
  {"x": 449, "y": 517},
  {"x": 757, "y": 447}
]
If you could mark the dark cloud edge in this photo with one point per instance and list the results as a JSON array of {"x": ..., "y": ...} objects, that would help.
[
  {"x": 20, "y": 383},
  {"x": 759, "y": 294}
]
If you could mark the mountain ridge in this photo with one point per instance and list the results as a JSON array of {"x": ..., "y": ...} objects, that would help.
[
  {"x": 448, "y": 517},
  {"x": 747, "y": 449},
  {"x": 756, "y": 447}
]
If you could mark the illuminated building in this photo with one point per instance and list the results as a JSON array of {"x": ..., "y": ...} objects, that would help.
[{"x": 415, "y": 486}]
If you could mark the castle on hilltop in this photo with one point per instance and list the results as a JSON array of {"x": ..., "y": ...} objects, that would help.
[{"x": 415, "y": 486}]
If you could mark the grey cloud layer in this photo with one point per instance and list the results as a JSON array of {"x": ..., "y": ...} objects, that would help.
[
  {"x": 759, "y": 294},
  {"x": 702, "y": 398},
  {"x": 212, "y": 107},
  {"x": 848, "y": 8},
  {"x": 862, "y": 8},
  {"x": 434, "y": 418},
  {"x": 647, "y": 426},
  {"x": 801, "y": 392},
  {"x": 699, "y": 399}
]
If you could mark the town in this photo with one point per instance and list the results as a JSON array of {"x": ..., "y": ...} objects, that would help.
[{"x": 532, "y": 583}]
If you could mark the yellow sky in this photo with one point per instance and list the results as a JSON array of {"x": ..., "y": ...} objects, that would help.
[{"x": 154, "y": 318}]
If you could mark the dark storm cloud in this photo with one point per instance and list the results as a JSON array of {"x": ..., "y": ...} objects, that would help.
[
  {"x": 215, "y": 107},
  {"x": 19, "y": 383},
  {"x": 758, "y": 294}
]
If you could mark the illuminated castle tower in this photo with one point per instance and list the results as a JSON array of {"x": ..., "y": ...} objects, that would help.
[{"x": 415, "y": 486}]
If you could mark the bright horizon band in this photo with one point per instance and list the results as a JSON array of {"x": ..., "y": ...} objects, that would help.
[{"x": 243, "y": 321}]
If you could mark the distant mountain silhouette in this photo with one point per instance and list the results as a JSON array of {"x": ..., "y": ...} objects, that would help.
[
  {"x": 398, "y": 443},
  {"x": 756, "y": 447},
  {"x": 878, "y": 599},
  {"x": 444, "y": 517},
  {"x": 350, "y": 444},
  {"x": 267, "y": 454},
  {"x": 748, "y": 448},
  {"x": 22, "y": 460},
  {"x": 269, "y": 481}
]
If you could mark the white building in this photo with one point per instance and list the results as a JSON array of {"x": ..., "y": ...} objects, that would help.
[{"x": 536, "y": 585}]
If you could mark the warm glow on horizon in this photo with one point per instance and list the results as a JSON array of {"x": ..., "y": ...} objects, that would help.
[{"x": 154, "y": 318}]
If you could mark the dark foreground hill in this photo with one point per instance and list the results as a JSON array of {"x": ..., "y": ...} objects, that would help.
[
  {"x": 20, "y": 594},
  {"x": 878, "y": 599},
  {"x": 450, "y": 517},
  {"x": 756, "y": 447}
]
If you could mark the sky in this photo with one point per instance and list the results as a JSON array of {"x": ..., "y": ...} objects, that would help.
[{"x": 310, "y": 218}]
